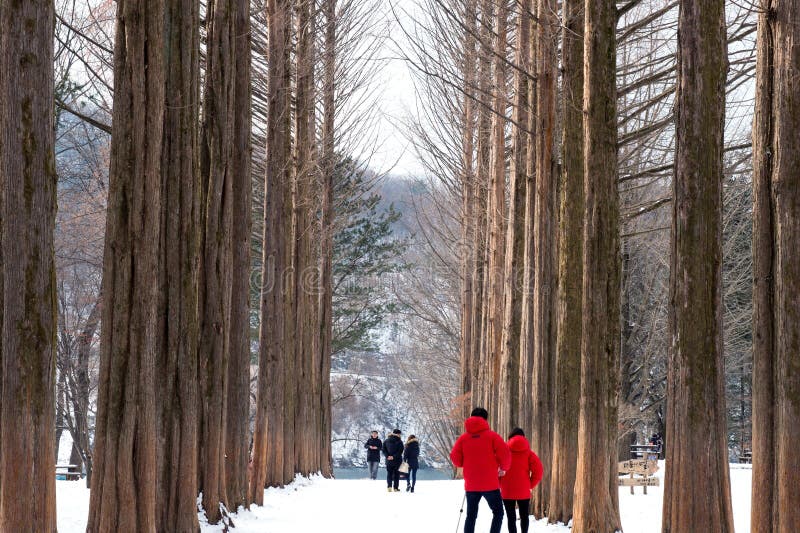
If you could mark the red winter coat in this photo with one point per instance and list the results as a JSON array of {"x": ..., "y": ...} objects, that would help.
[
  {"x": 481, "y": 452},
  {"x": 525, "y": 472}
]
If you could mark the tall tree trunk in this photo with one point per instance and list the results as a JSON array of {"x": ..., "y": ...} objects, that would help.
[
  {"x": 80, "y": 388},
  {"x": 480, "y": 189},
  {"x": 61, "y": 405},
  {"x": 515, "y": 233},
  {"x": 776, "y": 375},
  {"x": 179, "y": 268},
  {"x": 545, "y": 237},
  {"x": 496, "y": 218},
  {"x": 596, "y": 505},
  {"x": 697, "y": 486},
  {"x": 123, "y": 496},
  {"x": 629, "y": 362},
  {"x": 217, "y": 261},
  {"x": 327, "y": 170},
  {"x": 29, "y": 325},
  {"x": 306, "y": 359},
  {"x": 570, "y": 270},
  {"x": 238, "y": 416},
  {"x": 75, "y": 457},
  {"x": 468, "y": 222},
  {"x": 291, "y": 366},
  {"x": 526, "y": 351},
  {"x": 269, "y": 466}
]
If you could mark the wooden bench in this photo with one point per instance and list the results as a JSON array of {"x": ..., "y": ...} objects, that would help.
[
  {"x": 645, "y": 451},
  {"x": 68, "y": 472},
  {"x": 746, "y": 457}
]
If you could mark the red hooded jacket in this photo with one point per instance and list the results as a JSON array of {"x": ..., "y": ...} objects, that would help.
[
  {"x": 481, "y": 452},
  {"x": 525, "y": 472}
]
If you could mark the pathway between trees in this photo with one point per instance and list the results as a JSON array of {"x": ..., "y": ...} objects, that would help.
[{"x": 356, "y": 506}]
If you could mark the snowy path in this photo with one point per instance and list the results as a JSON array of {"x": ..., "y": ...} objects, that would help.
[
  {"x": 347, "y": 506},
  {"x": 362, "y": 505}
]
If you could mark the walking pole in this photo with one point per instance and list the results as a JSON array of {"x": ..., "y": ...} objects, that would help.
[{"x": 461, "y": 512}]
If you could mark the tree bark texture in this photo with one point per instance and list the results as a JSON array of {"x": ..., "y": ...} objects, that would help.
[
  {"x": 328, "y": 166},
  {"x": 27, "y": 220},
  {"x": 776, "y": 320},
  {"x": 123, "y": 496},
  {"x": 179, "y": 264},
  {"x": 596, "y": 500},
  {"x": 217, "y": 261},
  {"x": 697, "y": 485},
  {"x": 469, "y": 247},
  {"x": 508, "y": 405},
  {"x": 496, "y": 219},
  {"x": 269, "y": 467},
  {"x": 306, "y": 292},
  {"x": 526, "y": 351},
  {"x": 237, "y": 431},
  {"x": 545, "y": 248},
  {"x": 570, "y": 270},
  {"x": 480, "y": 189}
]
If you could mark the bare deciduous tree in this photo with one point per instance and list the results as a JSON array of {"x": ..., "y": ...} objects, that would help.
[
  {"x": 596, "y": 506},
  {"x": 28, "y": 280},
  {"x": 697, "y": 452},
  {"x": 776, "y": 382},
  {"x": 123, "y": 494}
]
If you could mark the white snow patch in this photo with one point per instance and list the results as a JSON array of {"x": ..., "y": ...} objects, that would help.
[
  {"x": 64, "y": 448},
  {"x": 344, "y": 506},
  {"x": 72, "y": 502}
]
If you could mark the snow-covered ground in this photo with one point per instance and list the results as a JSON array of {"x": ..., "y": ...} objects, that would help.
[{"x": 344, "y": 506}]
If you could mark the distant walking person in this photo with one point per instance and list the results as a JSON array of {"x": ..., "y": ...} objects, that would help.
[
  {"x": 516, "y": 486},
  {"x": 373, "y": 446},
  {"x": 485, "y": 457},
  {"x": 411, "y": 456},
  {"x": 393, "y": 451}
]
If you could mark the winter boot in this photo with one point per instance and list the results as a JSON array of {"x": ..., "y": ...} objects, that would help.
[
  {"x": 389, "y": 489},
  {"x": 408, "y": 488},
  {"x": 412, "y": 488}
]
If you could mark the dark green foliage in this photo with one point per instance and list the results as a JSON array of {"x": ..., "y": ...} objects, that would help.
[{"x": 366, "y": 254}]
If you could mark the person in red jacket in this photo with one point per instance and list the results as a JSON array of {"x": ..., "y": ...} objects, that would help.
[
  {"x": 484, "y": 456},
  {"x": 516, "y": 486}
]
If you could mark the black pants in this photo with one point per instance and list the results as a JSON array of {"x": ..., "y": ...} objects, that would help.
[
  {"x": 412, "y": 476},
  {"x": 524, "y": 508},
  {"x": 392, "y": 476},
  {"x": 495, "y": 504}
]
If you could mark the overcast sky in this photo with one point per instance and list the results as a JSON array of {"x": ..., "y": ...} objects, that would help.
[{"x": 395, "y": 154}]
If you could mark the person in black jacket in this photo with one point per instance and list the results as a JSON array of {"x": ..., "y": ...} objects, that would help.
[
  {"x": 393, "y": 451},
  {"x": 373, "y": 446},
  {"x": 411, "y": 456}
]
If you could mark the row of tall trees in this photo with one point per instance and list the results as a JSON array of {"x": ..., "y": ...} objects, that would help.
[
  {"x": 532, "y": 377},
  {"x": 343, "y": 72},
  {"x": 186, "y": 163},
  {"x": 169, "y": 266},
  {"x": 562, "y": 175}
]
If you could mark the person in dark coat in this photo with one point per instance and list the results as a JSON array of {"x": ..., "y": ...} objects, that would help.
[
  {"x": 485, "y": 458},
  {"x": 373, "y": 446},
  {"x": 523, "y": 476},
  {"x": 411, "y": 456},
  {"x": 393, "y": 451}
]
